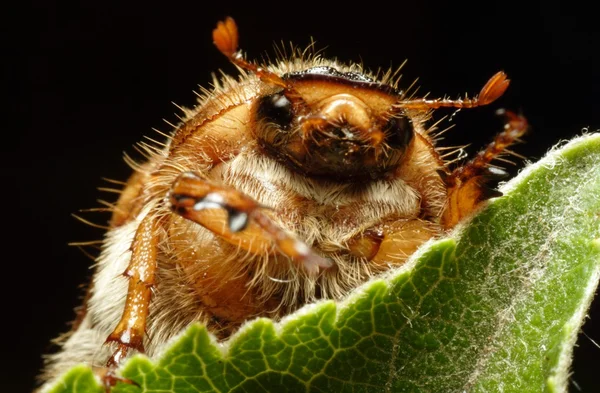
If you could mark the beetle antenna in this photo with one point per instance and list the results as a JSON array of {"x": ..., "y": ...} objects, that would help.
[
  {"x": 226, "y": 38},
  {"x": 491, "y": 91}
]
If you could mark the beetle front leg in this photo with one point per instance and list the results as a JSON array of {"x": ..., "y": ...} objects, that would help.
[
  {"x": 238, "y": 219},
  {"x": 391, "y": 243},
  {"x": 467, "y": 185},
  {"x": 129, "y": 332}
]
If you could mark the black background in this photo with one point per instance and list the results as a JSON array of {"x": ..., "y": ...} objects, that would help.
[{"x": 85, "y": 82}]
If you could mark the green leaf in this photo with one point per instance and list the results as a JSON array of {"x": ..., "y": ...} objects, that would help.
[{"x": 496, "y": 307}]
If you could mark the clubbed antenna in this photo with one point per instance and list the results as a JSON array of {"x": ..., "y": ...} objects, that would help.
[
  {"x": 226, "y": 38},
  {"x": 492, "y": 90}
]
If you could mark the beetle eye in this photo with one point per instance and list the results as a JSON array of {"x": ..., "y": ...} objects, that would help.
[
  {"x": 399, "y": 132},
  {"x": 277, "y": 109}
]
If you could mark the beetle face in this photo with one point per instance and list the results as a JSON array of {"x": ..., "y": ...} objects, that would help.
[{"x": 334, "y": 125}]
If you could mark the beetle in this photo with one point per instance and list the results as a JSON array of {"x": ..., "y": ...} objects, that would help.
[{"x": 297, "y": 181}]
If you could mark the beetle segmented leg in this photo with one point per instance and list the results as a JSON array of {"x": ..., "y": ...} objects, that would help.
[
  {"x": 393, "y": 242},
  {"x": 110, "y": 379},
  {"x": 238, "y": 219},
  {"x": 467, "y": 186},
  {"x": 129, "y": 333}
]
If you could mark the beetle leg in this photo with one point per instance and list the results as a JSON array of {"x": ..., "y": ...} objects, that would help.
[
  {"x": 467, "y": 185},
  {"x": 238, "y": 219},
  {"x": 129, "y": 332},
  {"x": 391, "y": 243},
  {"x": 109, "y": 378}
]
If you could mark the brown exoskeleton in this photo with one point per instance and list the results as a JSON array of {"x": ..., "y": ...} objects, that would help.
[{"x": 297, "y": 182}]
